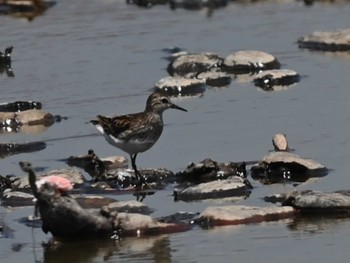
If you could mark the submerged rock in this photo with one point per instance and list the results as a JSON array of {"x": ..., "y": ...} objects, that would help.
[
  {"x": 198, "y": 4},
  {"x": 7, "y": 149},
  {"x": 147, "y": 3},
  {"x": 246, "y": 61},
  {"x": 18, "y": 106},
  {"x": 277, "y": 167},
  {"x": 130, "y": 207},
  {"x": 233, "y": 186},
  {"x": 314, "y": 202},
  {"x": 208, "y": 170},
  {"x": 276, "y": 79},
  {"x": 327, "y": 41},
  {"x": 25, "y": 8},
  {"x": 179, "y": 86},
  {"x": 16, "y": 199},
  {"x": 192, "y": 64},
  {"x": 234, "y": 215}
]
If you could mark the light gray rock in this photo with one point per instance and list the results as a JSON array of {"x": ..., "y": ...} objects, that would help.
[
  {"x": 280, "y": 142},
  {"x": 180, "y": 86},
  {"x": 327, "y": 41},
  {"x": 237, "y": 214},
  {"x": 245, "y": 61}
]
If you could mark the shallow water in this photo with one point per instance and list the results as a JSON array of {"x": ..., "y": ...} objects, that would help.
[{"x": 83, "y": 58}]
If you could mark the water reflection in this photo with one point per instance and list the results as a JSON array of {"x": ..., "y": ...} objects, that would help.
[
  {"x": 152, "y": 249},
  {"x": 316, "y": 224}
]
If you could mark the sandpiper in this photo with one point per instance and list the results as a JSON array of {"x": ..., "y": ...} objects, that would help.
[{"x": 135, "y": 133}]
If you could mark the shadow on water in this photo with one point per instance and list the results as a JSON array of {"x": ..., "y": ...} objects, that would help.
[{"x": 155, "y": 249}]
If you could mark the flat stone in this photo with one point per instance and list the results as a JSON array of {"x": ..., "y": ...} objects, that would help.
[
  {"x": 7, "y": 149},
  {"x": 130, "y": 206},
  {"x": 276, "y": 79},
  {"x": 327, "y": 41},
  {"x": 93, "y": 201},
  {"x": 233, "y": 186},
  {"x": 17, "y": 106},
  {"x": 179, "y": 86},
  {"x": 236, "y": 214},
  {"x": 28, "y": 117},
  {"x": 16, "y": 199},
  {"x": 319, "y": 202},
  {"x": 245, "y": 61},
  {"x": 194, "y": 64}
]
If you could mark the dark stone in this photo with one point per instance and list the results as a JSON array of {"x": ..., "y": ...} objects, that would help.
[
  {"x": 147, "y": 3},
  {"x": 7, "y": 149},
  {"x": 209, "y": 170},
  {"x": 17, "y": 106},
  {"x": 269, "y": 79}
]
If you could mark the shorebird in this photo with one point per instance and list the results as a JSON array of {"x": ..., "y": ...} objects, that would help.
[{"x": 137, "y": 132}]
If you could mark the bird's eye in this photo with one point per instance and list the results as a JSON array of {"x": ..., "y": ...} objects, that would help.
[{"x": 165, "y": 101}]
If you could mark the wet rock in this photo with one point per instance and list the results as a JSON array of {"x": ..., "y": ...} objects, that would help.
[
  {"x": 197, "y": 4},
  {"x": 275, "y": 198},
  {"x": 147, "y": 3},
  {"x": 17, "y": 106},
  {"x": 93, "y": 201},
  {"x": 7, "y": 149},
  {"x": 234, "y": 215},
  {"x": 192, "y": 64},
  {"x": 174, "y": 53},
  {"x": 73, "y": 175},
  {"x": 14, "y": 120},
  {"x": 130, "y": 207},
  {"x": 16, "y": 199},
  {"x": 5, "y": 57},
  {"x": 215, "y": 78},
  {"x": 276, "y": 79},
  {"x": 25, "y": 8},
  {"x": 208, "y": 170},
  {"x": 180, "y": 217},
  {"x": 314, "y": 202},
  {"x": 280, "y": 142},
  {"x": 179, "y": 86},
  {"x": 233, "y": 186},
  {"x": 144, "y": 225},
  {"x": 278, "y": 167},
  {"x": 246, "y": 61},
  {"x": 327, "y": 41}
]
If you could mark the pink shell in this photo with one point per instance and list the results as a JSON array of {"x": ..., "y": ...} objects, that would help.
[{"x": 60, "y": 182}]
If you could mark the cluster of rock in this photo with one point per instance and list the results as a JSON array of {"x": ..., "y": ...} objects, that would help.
[
  {"x": 190, "y": 74},
  {"x": 71, "y": 212}
]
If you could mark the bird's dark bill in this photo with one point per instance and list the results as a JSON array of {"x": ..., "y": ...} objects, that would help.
[{"x": 178, "y": 107}]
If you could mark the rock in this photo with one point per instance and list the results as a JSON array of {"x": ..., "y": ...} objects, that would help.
[
  {"x": 215, "y": 78},
  {"x": 327, "y": 41},
  {"x": 25, "y": 8},
  {"x": 246, "y": 61},
  {"x": 197, "y": 4},
  {"x": 130, "y": 207},
  {"x": 93, "y": 201},
  {"x": 5, "y": 57},
  {"x": 143, "y": 225},
  {"x": 278, "y": 167},
  {"x": 180, "y": 217},
  {"x": 280, "y": 142},
  {"x": 179, "y": 86},
  {"x": 314, "y": 202},
  {"x": 147, "y": 3},
  {"x": 276, "y": 79},
  {"x": 16, "y": 198},
  {"x": 7, "y": 149},
  {"x": 208, "y": 170},
  {"x": 192, "y": 64},
  {"x": 234, "y": 215},
  {"x": 275, "y": 198},
  {"x": 73, "y": 175},
  {"x": 28, "y": 117},
  {"x": 18, "y": 106},
  {"x": 233, "y": 186}
]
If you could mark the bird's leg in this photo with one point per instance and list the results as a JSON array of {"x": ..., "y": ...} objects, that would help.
[
  {"x": 138, "y": 175},
  {"x": 133, "y": 164}
]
